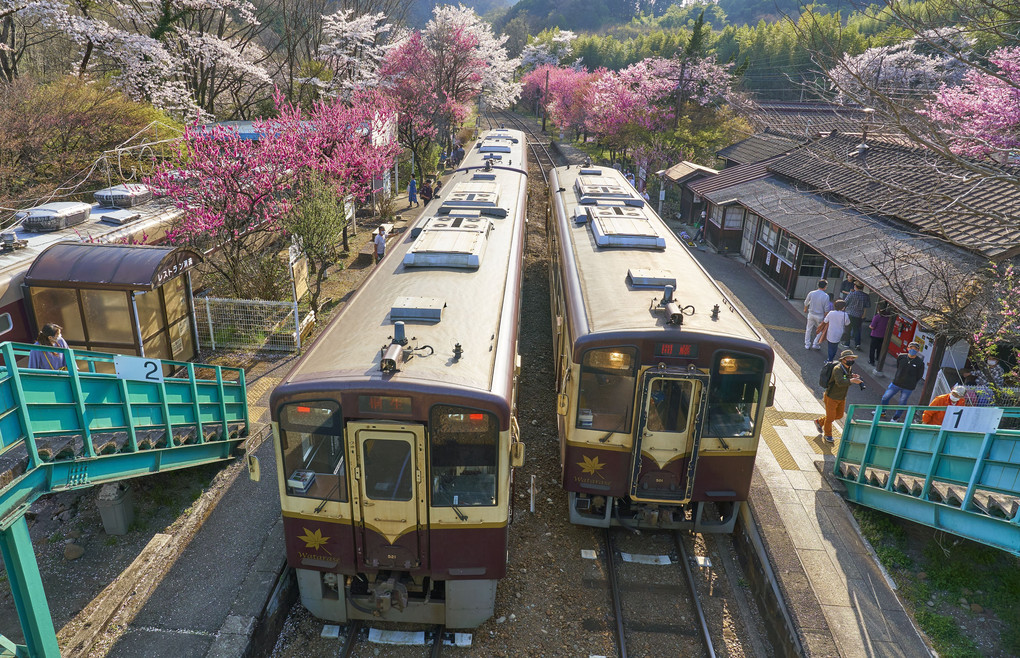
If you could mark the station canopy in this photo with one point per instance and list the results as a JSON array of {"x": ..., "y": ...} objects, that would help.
[{"x": 109, "y": 266}]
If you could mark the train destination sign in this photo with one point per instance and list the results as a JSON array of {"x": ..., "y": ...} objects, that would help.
[
  {"x": 676, "y": 350},
  {"x": 386, "y": 404}
]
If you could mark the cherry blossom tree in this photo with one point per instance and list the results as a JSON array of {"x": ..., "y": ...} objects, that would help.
[
  {"x": 434, "y": 74},
  {"x": 351, "y": 52},
  {"x": 906, "y": 68},
  {"x": 236, "y": 192},
  {"x": 982, "y": 115}
]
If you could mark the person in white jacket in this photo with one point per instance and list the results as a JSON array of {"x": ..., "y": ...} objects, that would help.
[{"x": 816, "y": 305}]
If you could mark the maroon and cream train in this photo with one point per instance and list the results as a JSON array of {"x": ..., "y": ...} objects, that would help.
[
  {"x": 124, "y": 213},
  {"x": 396, "y": 433},
  {"x": 662, "y": 384}
]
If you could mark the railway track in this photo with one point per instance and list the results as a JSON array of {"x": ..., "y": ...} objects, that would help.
[
  {"x": 650, "y": 618},
  {"x": 538, "y": 145},
  {"x": 356, "y": 632}
]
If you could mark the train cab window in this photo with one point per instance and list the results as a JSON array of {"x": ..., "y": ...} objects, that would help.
[
  {"x": 734, "y": 395},
  {"x": 312, "y": 443},
  {"x": 6, "y": 323},
  {"x": 389, "y": 469},
  {"x": 669, "y": 407},
  {"x": 464, "y": 456},
  {"x": 605, "y": 398}
]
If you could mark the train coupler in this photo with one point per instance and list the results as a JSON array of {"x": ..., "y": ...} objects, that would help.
[{"x": 388, "y": 594}]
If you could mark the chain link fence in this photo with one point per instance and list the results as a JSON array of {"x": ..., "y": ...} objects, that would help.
[
  {"x": 980, "y": 396},
  {"x": 249, "y": 324}
]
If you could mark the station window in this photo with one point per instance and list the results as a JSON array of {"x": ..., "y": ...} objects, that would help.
[
  {"x": 605, "y": 395},
  {"x": 312, "y": 443},
  {"x": 464, "y": 456},
  {"x": 734, "y": 395}
]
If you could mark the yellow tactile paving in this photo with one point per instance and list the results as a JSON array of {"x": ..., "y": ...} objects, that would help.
[
  {"x": 775, "y": 443},
  {"x": 259, "y": 388}
]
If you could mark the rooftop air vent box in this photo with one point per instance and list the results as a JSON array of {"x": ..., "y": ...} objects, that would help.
[
  {"x": 127, "y": 195},
  {"x": 640, "y": 278},
  {"x": 623, "y": 226},
  {"x": 54, "y": 216},
  {"x": 118, "y": 217},
  {"x": 417, "y": 309}
]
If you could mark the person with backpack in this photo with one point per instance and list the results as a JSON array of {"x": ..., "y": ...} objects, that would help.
[
  {"x": 835, "y": 323},
  {"x": 838, "y": 376},
  {"x": 909, "y": 372}
]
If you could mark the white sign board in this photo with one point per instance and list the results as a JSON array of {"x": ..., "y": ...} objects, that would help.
[
  {"x": 138, "y": 369},
  {"x": 981, "y": 420}
]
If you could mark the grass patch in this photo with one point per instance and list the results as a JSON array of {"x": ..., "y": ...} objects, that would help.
[
  {"x": 953, "y": 569},
  {"x": 945, "y": 635},
  {"x": 111, "y": 541},
  {"x": 56, "y": 537}
]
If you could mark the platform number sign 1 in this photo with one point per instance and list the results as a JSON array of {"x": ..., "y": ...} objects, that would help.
[
  {"x": 137, "y": 368},
  {"x": 981, "y": 420}
]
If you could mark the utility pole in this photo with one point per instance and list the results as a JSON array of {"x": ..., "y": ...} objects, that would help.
[{"x": 545, "y": 100}]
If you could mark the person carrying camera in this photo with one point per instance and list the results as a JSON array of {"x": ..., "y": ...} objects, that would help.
[{"x": 834, "y": 397}]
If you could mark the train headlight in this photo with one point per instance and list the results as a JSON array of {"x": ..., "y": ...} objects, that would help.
[{"x": 727, "y": 365}]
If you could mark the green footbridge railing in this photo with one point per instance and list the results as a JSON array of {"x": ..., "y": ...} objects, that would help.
[
  {"x": 962, "y": 476},
  {"x": 104, "y": 418}
]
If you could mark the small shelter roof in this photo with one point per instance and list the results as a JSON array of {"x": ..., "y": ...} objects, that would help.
[
  {"x": 109, "y": 266},
  {"x": 730, "y": 177},
  {"x": 685, "y": 170}
]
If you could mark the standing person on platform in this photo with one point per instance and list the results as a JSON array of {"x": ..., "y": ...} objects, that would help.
[
  {"x": 412, "y": 193},
  {"x": 48, "y": 335},
  {"x": 699, "y": 235},
  {"x": 380, "y": 244},
  {"x": 955, "y": 398},
  {"x": 856, "y": 303},
  {"x": 991, "y": 374},
  {"x": 879, "y": 323},
  {"x": 834, "y": 397},
  {"x": 833, "y": 326},
  {"x": 846, "y": 286},
  {"x": 816, "y": 305},
  {"x": 909, "y": 372}
]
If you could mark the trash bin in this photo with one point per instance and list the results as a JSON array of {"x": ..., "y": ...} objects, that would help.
[{"x": 116, "y": 507}]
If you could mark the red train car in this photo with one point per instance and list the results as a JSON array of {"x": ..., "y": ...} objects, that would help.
[
  {"x": 662, "y": 384},
  {"x": 396, "y": 433}
]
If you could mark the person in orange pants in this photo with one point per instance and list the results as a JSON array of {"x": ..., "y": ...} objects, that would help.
[
  {"x": 955, "y": 398},
  {"x": 835, "y": 393}
]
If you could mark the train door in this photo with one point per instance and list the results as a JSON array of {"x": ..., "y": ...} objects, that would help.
[
  {"x": 391, "y": 498},
  {"x": 666, "y": 446}
]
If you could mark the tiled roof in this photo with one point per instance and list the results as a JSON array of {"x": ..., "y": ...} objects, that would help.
[
  {"x": 759, "y": 147},
  {"x": 678, "y": 172},
  {"x": 728, "y": 177},
  {"x": 807, "y": 119},
  {"x": 871, "y": 248},
  {"x": 977, "y": 210}
]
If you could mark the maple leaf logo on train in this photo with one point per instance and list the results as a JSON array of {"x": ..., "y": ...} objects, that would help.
[
  {"x": 314, "y": 540},
  {"x": 591, "y": 466}
]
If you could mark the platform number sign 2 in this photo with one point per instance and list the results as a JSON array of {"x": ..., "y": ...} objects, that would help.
[
  {"x": 137, "y": 368},
  {"x": 981, "y": 420}
]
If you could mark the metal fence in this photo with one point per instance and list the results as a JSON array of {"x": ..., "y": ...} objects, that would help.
[
  {"x": 980, "y": 396},
  {"x": 249, "y": 324}
]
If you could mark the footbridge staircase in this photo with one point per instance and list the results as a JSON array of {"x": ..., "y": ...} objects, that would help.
[
  {"x": 962, "y": 476},
  {"x": 103, "y": 418}
]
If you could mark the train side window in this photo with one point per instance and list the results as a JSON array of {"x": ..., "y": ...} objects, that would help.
[
  {"x": 6, "y": 323},
  {"x": 605, "y": 391},
  {"x": 312, "y": 443},
  {"x": 734, "y": 395},
  {"x": 464, "y": 456}
]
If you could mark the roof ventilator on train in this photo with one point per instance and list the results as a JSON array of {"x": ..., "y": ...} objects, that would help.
[{"x": 671, "y": 308}]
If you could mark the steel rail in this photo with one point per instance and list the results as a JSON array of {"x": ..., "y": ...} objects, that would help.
[
  {"x": 695, "y": 598},
  {"x": 614, "y": 592}
]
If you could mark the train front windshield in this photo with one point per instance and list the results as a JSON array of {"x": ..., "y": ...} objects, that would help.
[
  {"x": 311, "y": 440},
  {"x": 464, "y": 446},
  {"x": 734, "y": 395}
]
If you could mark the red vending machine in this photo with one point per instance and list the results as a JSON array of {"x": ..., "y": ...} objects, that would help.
[{"x": 902, "y": 333}]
